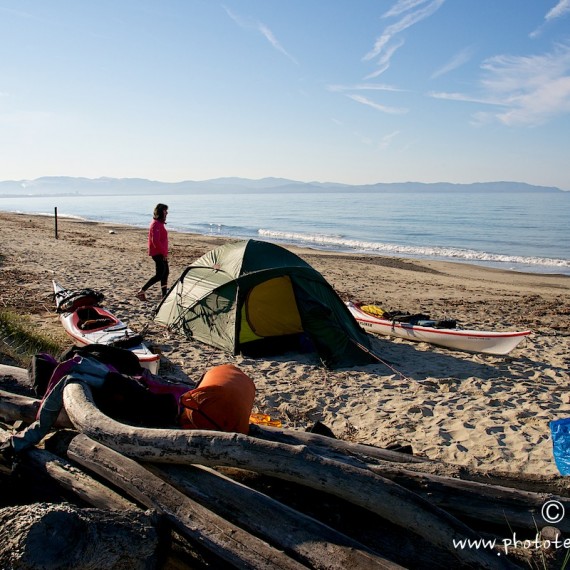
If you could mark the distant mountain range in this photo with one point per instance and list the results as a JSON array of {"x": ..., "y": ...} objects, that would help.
[{"x": 66, "y": 185}]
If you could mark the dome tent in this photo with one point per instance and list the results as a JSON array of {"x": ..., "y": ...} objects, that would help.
[{"x": 251, "y": 296}]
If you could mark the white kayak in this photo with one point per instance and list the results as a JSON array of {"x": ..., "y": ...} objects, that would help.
[
  {"x": 88, "y": 323},
  {"x": 486, "y": 342}
]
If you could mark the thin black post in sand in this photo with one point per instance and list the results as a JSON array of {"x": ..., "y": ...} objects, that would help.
[{"x": 55, "y": 218}]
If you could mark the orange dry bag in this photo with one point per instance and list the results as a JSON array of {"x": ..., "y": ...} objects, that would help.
[{"x": 222, "y": 401}]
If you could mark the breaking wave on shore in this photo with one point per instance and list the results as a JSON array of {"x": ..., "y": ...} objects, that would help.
[{"x": 338, "y": 243}]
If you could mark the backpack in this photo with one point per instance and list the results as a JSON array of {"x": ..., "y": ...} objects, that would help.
[
  {"x": 129, "y": 400},
  {"x": 40, "y": 370},
  {"x": 128, "y": 392},
  {"x": 122, "y": 360}
]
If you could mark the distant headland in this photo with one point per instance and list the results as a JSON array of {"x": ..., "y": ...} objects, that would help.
[{"x": 66, "y": 185}]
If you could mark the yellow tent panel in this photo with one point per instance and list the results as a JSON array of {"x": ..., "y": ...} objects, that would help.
[{"x": 271, "y": 309}]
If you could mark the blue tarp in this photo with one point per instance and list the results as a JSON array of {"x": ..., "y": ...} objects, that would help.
[{"x": 560, "y": 431}]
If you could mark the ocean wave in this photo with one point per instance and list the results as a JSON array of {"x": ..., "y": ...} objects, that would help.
[
  {"x": 219, "y": 229},
  {"x": 49, "y": 215},
  {"x": 335, "y": 242}
]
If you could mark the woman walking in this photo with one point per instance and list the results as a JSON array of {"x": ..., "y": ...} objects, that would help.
[{"x": 158, "y": 250}]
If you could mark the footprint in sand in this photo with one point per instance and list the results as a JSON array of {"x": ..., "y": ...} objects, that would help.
[
  {"x": 524, "y": 415},
  {"x": 425, "y": 412},
  {"x": 494, "y": 430},
  {"x": 455, "y": 432}
]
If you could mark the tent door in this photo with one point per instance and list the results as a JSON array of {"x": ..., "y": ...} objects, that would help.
[{"x": 270, "y": 310}]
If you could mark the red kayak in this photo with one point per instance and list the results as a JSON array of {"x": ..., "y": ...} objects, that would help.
[{"x": 88, "y": 323}]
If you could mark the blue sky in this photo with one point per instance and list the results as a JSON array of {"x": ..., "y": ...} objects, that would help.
[{"x": 353, "y": 91}]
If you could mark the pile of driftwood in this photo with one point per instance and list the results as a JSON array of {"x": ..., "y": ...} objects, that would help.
[{"x": 171, "y": 498}]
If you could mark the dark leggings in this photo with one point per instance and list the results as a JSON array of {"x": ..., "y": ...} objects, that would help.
[{"x": 161, "y": 274}]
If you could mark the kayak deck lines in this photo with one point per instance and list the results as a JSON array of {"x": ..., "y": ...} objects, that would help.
[{"x": 485, "y": 342}]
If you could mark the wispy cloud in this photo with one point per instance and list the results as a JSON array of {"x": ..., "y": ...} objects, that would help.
[
  {"x": 456, "y": 61},
  {"x": 268, "y": 34},
  {"x": 387, "y": 43},
  {"x": 364, "y": 87},
  {"x": 385, "y": 56},
  {"x": 386, "y": 140},
  {"x": 560, "y": 10},
  {"x": 403, "y": 6},
  {"x": 536, "y": 87},
  {"x": 462, "y": 97},
  {"x": 378, "y": 106},
  {"x": 260, "y": 27},
  {"x": 19, "y": 13},
  {"x": 529, "y": 89}
]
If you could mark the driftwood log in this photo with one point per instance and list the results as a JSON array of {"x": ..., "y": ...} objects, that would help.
[
  {"x": 361, "y": 454},
  {"x": 476, "y": 500},
  {"x": 304, "y": 538},
  {"x": 293, "y": 463},
  {"x": 494, "y": 504},
  {"x": 40, "y": 468},
  {"x": 533, "y": 482},
  {"x": 14, "y": 407},
  {"x": 343, "y": 450},
  {"x": 45, "y": 465},
  {"x": 16, "y": 376},
  {"x": 307, "y": 539},
  {"x": 448, "y": 486},
  {"x": 31, "y": 537},
  {"x": 201, "y": 526}
]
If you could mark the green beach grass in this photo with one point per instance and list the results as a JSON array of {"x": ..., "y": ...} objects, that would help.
[{"x": 20, "y": 339}]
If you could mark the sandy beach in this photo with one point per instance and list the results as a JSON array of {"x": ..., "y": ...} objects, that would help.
[{"x": 475, "y": 410}]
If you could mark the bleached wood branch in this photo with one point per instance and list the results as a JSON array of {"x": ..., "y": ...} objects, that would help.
[
  {"x": 293, "y": 463},
  {"x": 201, "y": 526}
]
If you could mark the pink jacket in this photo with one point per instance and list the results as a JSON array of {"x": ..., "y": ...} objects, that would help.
[{"x": 157, "y": 239}]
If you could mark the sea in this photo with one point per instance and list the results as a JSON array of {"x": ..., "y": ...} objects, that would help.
[{"x": 526, "y": 232}]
